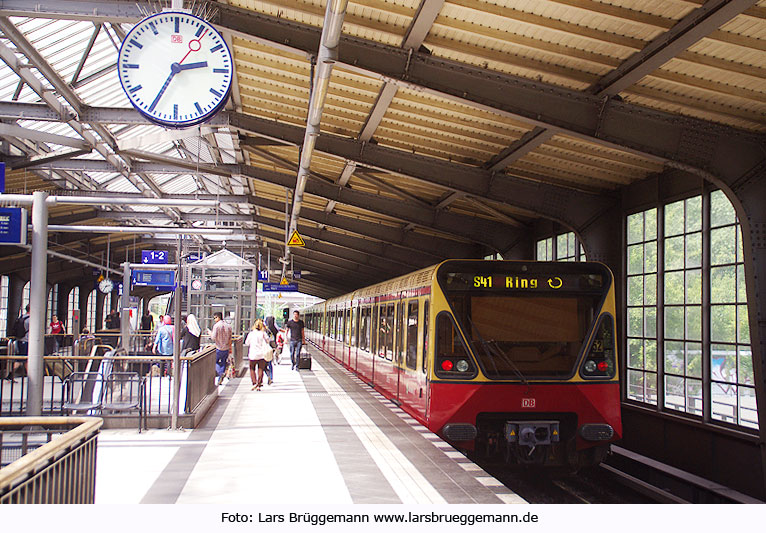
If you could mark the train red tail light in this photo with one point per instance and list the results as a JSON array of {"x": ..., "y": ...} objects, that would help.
[
  {"x": 600, "y": 361},
  {"x": 446, "y": 365}
]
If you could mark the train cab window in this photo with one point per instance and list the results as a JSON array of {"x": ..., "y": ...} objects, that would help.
[
  {"x": 452, "y": 358},
  {"x": 424, "y": 360},
  {"x": 411, "y": 359}
]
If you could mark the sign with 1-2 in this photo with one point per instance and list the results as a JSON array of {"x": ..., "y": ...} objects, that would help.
[{"x": 154, "y": 257}]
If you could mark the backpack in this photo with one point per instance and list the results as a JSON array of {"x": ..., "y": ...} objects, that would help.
[{"x": 20, "y": 327}]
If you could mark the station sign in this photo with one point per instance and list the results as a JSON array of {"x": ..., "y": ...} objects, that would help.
[
  {"x": 2, "y": 177},
  {"x": 279, "y": 287},
  {"x": 263, "y": 275},
  {"x": 296, "y": 274},
  {"x": 13, "y": 225},
  {"x": 193, "y": 257},
  {"x": 153, "y": 278},
  {"x": 154, "y": 257}
]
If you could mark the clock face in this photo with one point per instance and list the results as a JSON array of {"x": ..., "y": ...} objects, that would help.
[
  {"x": 105, "y": 285},
  {"x": 176, "y": 69}
]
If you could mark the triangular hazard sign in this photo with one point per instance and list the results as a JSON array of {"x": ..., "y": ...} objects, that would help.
[
  {"x": 513, "y": 433},
  {"x": 296, "y": 240},
  {"x": 284, "y": 281}
]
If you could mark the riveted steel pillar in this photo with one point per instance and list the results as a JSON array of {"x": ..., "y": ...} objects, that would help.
[
  {"x": 748, "y": 195},
  {"x": 37, "y": 293}
]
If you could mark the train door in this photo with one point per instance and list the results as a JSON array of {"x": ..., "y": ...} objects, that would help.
[
  {"x": 424, "y": 392},
  {"x": 408, "y": 377},
  {"x": 350, "y": 338},
  {"x": 398, "y": 359},
  {"x": 355, "y": 338},
  {"x": 375, "y": 328}
]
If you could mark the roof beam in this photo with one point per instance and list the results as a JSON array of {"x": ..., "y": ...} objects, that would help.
[
  {"x": 661, "y": 136},
  {"x": 12, "y": 130}
]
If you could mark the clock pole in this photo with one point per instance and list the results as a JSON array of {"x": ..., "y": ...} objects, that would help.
[{"x": 177, "y": 340}]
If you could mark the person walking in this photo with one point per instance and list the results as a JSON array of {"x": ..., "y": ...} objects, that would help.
[
  {"x": 296, "y": 327},
  {"x": 57, "y": 330},
  {"x": 259, "y": 351},
  {"x": 272, "y": 330},
  {"x": 190, "y": 335},
  {"x": 163, "y": 341},
  {"x": 221, "y": 336}
]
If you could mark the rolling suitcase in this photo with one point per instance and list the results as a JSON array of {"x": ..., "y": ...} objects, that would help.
[{"x": 304, "y": 362}]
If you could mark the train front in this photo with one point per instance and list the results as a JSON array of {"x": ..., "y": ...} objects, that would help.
[{"x": 525, "y": 361}]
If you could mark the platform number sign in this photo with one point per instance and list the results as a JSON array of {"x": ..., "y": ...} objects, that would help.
[
  {"x": 263, "y": 275},
  {"x": 154, "y": 257}
]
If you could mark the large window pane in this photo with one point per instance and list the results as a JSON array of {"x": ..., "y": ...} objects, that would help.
[
  {"x": 721, "y": 210},
  {"x": 674, "y": 253},
  {"x": 723, "y": 323},
  {"x": 674, "y": 219},
  {"x": 723, "y": 245},
  {"x": 674, "y": 322}
]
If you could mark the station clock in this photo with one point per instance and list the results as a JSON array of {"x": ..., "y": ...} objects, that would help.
[{"x": 175, "y": 69}]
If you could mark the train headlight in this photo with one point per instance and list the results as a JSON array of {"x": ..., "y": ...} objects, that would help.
[
  {"x": 446, "y": 365},
  {"x": 462, "y": 366},
  {"x": 590, "y": 367}
]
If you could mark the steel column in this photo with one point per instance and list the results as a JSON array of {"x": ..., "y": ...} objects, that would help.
[{"x": 37, "y": 294}]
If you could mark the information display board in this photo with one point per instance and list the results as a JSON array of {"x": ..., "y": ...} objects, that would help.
[
  {"x": 153, "y": 278},
  {"x": 279, "y": 287},
  {"x": 13, "y": 225}
]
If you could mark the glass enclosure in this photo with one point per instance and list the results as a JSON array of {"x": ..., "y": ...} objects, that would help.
[{"x": 222, "y": 282}]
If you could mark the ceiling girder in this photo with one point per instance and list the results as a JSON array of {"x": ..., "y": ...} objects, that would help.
[{"x": 658, "y": 135}]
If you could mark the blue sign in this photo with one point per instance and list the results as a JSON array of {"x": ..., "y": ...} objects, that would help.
[
  {"x": 13, "y": 225},
  {"x": 153, "y": 278},
  {"x": 296, "y": 274},
  {"x": 2, "y": 177},
  {"x": 276, "y": 287},
  {"x": 263, "y": 275},
  {"x": 154, "y": 257},
  {"x": 193, "y": 257}
]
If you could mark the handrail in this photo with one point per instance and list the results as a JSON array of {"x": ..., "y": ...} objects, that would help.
[{"x": 43, "y": 456}]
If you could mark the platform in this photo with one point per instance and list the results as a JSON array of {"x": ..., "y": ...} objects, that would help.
[{"x": 316, "y": 437}]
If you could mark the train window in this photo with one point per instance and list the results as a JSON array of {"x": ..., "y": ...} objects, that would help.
[
  {"x": 349, "y": 328},
  {"x": 452, "y": 359},
  {"x": 386, "y": 342},
  {"x": 411, "y": 359},
  {"x": 364, "y": 329},
  {"x": 374, "y": 330},
  {"x": 399, "y": 331},
  {"x": 341, "y": 326},
  {"x": 355, "y": 334},
  {"x": 424, "y": 360}
]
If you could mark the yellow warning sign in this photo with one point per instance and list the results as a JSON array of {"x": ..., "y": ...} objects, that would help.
[
  {"x": 512, "y": 433},
  {"x": 284, "y": 281},
  {"x": 296, "y": 240}
]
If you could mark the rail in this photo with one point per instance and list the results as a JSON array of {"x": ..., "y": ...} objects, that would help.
[
  {"x": 667, "y": 484},
  {"x": 61, "y": 470}
]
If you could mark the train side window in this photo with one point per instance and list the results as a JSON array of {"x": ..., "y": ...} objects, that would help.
[
  {"x": 387, "y": 332},
  {"x": 355, "y": 334},
  {"x": 399, "y": 332},
  {"x": 350, "y": 337},
  {"x": 411, "y": 359},
  {"x": 424, "y": 360},
  {"x": 374, "y": 330},
  {"x": 364, "y": 329}
]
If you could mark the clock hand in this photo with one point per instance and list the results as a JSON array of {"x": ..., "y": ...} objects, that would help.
[
  {"x": 174, "y": 69},
  {"x": 195, "y": 47},
  {"x": 190, "y": 66}
]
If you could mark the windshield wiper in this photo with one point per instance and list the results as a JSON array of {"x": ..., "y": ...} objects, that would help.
[{"x": 491, "y": 346}]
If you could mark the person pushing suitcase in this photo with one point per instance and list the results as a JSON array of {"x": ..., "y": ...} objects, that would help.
[{"x": 297, "y": 338}]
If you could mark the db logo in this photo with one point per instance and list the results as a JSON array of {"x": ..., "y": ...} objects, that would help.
[
  {"x": 176, "y": 38},
  {"x": 527, "y": 403}
]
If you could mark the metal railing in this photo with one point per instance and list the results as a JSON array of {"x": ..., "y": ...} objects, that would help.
[
  {"x": 197, "y": 378},
  {"x": 52, "y": 469}
]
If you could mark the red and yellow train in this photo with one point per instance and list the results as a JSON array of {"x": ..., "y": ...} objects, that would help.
[{"x": 506, "y": 359}]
